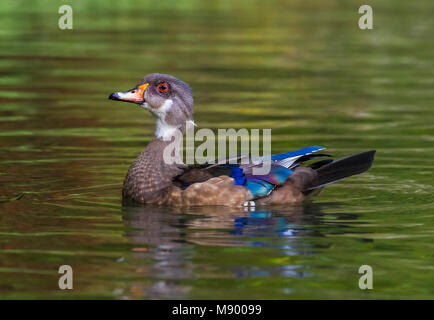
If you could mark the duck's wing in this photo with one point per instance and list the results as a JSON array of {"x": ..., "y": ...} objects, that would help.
[
  {"x": 259, "y": 185},
  {"x": 293, "y": 158},
  {"x": 199, "y": 173}
]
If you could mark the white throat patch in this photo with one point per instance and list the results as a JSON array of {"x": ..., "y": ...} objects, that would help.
[{"x": 163, "y": 130}]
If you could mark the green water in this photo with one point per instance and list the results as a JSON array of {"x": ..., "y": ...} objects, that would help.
[{"x": 302, "y": 68}]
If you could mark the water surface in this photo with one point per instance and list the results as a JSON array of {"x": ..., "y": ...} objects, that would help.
[{"x": 302, "y": 68}]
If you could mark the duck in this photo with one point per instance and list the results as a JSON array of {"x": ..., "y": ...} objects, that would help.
[{"x": 292, "y": 178}]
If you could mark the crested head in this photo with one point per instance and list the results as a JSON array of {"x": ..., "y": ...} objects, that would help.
[{"x": 169, "y": 99}]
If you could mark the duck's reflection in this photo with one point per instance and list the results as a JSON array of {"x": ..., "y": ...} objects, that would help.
[{"x": 167, "y": 243}]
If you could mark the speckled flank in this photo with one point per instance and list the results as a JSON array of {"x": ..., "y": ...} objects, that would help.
[{"x": 215, "y": 191}]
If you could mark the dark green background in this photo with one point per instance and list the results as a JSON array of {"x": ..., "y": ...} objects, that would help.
[{"x": 302, "y": 68}]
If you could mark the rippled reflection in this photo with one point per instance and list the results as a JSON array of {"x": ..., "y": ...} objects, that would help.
[{"x": 167, "y": 240}]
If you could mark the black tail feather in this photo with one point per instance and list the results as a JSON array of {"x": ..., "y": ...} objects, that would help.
[{"x": 342, "y": 168}]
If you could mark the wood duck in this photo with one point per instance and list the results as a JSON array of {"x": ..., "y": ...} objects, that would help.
[{"x": 151, "y": 180}]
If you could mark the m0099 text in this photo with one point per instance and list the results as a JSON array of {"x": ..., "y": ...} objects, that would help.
[{"x": 238, "y": 309}]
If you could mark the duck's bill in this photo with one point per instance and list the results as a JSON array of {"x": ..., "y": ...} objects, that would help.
[{"x": 134, "y": 95}]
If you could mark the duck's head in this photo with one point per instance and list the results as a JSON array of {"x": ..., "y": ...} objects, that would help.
[{"x": 169, "y": 99}]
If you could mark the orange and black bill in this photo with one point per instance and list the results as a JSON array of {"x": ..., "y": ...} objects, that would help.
[{"x": 134, "y": 95}]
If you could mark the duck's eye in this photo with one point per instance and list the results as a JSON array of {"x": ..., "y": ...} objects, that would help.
[{"x": 163, "y": 87}]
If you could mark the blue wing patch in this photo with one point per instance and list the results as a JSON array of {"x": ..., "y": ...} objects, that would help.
[
  {"x": 238, "y": 174},
  {"x": 258, "y": 187},
  {"x": 262, "y": 185}
]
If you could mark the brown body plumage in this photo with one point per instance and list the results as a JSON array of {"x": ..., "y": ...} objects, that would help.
[{"x": 151, "y": 180}]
